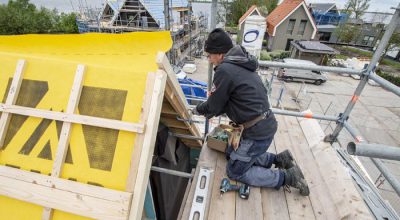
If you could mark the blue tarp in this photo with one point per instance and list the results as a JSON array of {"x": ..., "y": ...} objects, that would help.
[
  {"x": 329, "y": 18},
  {"x": 193, "y": 92}
]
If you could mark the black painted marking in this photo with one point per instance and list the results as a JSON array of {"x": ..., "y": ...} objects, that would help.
[
  {"x": 101, "y": 142},
  {"x": 46, "y": 152},
  {"x": 34, "y": 138},
  {"x": 30, "y": 94}
]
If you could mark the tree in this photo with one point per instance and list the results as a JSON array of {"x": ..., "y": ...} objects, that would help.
[
  {"x": 22, "y": 17},
  {"x": 66, "y": 23},
  {"x": 238, "y": 7},
  {"x": 358, "y": 7},
  {"x": 347, "y": 33}
]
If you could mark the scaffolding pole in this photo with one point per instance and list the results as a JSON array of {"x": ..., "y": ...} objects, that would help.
[
  {"x": 364, "y": 78},
  {"x": 172, "y": 172},
  {"x": 374, "y": 150},
  {"x": 379, "y": 164},
  {"x": 304, "y": 115},
  {"x": 274, "y": 64},
  {"x": 210, "y": 66},
  {"x": 385, "y": 84},
  {"x": 166, "y": 15}
]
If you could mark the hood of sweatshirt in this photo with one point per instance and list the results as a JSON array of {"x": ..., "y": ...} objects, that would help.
[{"x": 239, "y": 56}]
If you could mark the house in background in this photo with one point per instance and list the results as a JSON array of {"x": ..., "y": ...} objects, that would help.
[
  {"x": 369, "y": 33},
  {"x": 372, "y": 26},
  {"x": 253, "y": 10},
  {"x": 328, "y": 18},
  {"x": 291, "y": 20},
  {"x": 148, "y": 15},
  {"x": 326, "y": 13}
]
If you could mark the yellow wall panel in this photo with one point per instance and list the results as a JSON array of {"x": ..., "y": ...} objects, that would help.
[{"x": 113, "y": 87}]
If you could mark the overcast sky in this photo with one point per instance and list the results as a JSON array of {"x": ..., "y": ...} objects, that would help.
[{"x": 73, "y": 5}]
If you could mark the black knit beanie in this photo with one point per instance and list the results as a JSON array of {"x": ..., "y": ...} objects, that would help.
[{"x": 218, "y": 41}]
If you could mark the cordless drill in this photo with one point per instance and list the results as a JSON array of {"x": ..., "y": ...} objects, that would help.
[{"x": 244, "y": 189}]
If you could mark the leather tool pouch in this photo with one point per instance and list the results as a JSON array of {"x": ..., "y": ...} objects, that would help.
[{"x": 236, "y": 135}]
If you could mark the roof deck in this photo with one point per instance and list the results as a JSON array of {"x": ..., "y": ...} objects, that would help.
[{"x": 333, "y": 194}]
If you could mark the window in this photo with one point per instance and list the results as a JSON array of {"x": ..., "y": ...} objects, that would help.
[
  {"x": 368, "y": 40},
  {"x": 291, "y": 26},
  {"x": 302, "y": 27},
  {"x": 324, "y": 36}
]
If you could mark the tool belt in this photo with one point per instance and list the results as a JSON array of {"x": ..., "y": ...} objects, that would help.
[{"x": 237, "y": 129}]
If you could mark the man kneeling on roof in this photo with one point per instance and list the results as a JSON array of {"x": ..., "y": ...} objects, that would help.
[{"x": 239, "y": 93}]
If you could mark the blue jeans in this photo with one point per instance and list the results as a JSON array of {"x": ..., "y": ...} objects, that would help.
[{"x": 251, "y": 164}]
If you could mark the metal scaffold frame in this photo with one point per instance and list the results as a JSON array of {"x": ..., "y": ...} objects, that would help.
[
  {"x": 365, "y": 74},
  {"x": 361, "y": 146}
]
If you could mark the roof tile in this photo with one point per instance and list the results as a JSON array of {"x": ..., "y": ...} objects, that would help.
[
  {"x": 280, "y": 13},
  {"x": 248, "y": 12}
]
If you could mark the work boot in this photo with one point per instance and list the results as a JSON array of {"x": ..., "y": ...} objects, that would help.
[
  {"x": 284, "y": 160},
  {"x": 294, "y": 178}
]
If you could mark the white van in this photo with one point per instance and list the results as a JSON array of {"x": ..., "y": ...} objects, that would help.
[{"x": 310, "y": 76}]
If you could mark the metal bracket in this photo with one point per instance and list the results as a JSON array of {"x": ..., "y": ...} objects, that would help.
[
  {"x": 198, "y": 208},
  {"x": 190, "y": 121},
  {"x": 185, "y": 136},
  {"x": 341, "y": 119},
  {"x": 329, "y": 138}
]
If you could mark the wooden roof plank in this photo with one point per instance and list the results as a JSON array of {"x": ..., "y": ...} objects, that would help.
[
  {"x": 274, "y": 201},
  {"x": 321, "y": 201},
  {"x": 208, "y": 159},
  {"x": 340, "y": 186},
  {"x": 299, "y": 206},
  {"x": 221, "y": 207},
  {"x": 251, "y": 208}
]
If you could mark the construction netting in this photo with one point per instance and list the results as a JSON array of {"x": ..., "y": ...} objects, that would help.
[{"x": 113, "y": 87}]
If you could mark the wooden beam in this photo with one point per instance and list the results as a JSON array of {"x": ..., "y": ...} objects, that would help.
[
  {"x": 137, "y": 148},
  {"x": 66, "y": 131},
  {"x": 73, "y": 118},
  {"x": 173, "y": 123},
  {"x": 190, "y": 143},
  {"x": 65, "y": 195},
  {"x": 174, "y": 93},
  {"x": 11, "y": 99},
  {"x": 149, "y": 140},
  {"x": 180, "y": 131},
  {"x": 167, "y": 109}
]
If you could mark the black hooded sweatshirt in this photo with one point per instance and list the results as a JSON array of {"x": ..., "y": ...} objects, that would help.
[{"x": 239, "y": 92}]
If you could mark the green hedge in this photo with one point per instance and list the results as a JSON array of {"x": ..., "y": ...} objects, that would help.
[
  {"x": 274, "y": 55},
  {"x": 393, "y": 79},
  {"x": 264, "y": 55}
]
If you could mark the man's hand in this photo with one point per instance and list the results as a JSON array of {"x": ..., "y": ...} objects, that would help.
[{"x": 195, "y": 112}]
